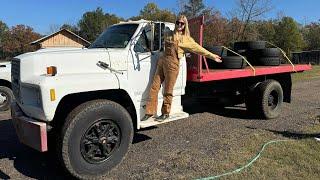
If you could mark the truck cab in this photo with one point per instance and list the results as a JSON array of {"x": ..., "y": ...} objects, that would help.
[{"x": 91, "y": 98}]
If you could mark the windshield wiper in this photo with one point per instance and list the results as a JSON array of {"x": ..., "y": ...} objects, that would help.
[
  {"x": 115, "y": 47},
  {"x": 99, "y": 46}
]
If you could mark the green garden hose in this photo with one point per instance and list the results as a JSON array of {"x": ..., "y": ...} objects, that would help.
[{"x": 248, "y": 164}]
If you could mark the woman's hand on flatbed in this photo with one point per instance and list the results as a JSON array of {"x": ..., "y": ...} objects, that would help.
[{"x": 217, "y": 59}]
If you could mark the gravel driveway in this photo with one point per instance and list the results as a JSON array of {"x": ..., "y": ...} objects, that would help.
[{"x": 185, "y": 149}]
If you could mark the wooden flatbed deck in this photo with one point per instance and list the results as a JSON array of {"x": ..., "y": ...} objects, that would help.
[{"x": 222, "y": 74}]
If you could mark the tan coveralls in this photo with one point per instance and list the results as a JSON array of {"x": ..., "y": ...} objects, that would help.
[{"x": 168, "y": 70}]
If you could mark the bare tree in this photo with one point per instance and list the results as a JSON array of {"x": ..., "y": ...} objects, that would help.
[
  {"x": 248, "y": 11},
  {"x": 181, "y": 4},
  {"x": 54, "y": 28}
]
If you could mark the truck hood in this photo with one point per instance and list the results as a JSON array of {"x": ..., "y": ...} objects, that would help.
[
  {"x": 4, "y": 63},
  {"x": 70, "y": 61}
]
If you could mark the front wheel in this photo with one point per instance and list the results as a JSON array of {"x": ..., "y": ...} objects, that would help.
[{"x": 95, "y": 138}]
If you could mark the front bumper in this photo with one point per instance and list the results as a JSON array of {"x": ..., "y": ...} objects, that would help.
[{"x": 30, "y": 132}]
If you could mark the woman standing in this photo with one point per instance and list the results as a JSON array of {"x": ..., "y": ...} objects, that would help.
[{"x": 167, "y": 71}]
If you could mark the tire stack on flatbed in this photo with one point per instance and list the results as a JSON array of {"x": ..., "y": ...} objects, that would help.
[
  {"x": 229, "y": 61},
  {"x": 257, "y": 53},
  {"x": 218, "y": 50}
]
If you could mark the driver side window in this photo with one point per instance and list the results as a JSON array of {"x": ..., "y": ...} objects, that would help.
[{"x": 144, "y": 41}]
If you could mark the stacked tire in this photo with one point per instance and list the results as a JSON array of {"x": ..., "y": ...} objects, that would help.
[
  {"x": 265, "y": 57},
  {"x": 229, "y": 61},
  {"x": 257, "y": 53}
]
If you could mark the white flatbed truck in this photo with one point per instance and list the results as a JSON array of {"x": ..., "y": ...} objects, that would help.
[{"x": 86, "y": 103}]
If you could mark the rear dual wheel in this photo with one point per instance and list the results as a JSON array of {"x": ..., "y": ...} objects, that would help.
[{"x": 265, "y": 99}]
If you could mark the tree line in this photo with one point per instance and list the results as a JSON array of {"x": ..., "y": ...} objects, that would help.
[{"x": 243, "y": 23}]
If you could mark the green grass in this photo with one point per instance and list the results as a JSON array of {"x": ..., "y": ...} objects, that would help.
[
  {"x": 293, "y": 159},
  {"x": 297, "y": 159},
  {"x": 314, "y": 73}
]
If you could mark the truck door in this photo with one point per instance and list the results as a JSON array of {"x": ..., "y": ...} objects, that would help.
[
  {"x": 143, "y": 65},
  {"x": 145, "y": 54}
]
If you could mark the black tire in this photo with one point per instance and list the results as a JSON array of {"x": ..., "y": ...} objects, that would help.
[
  {"x": 249, "y": 45},
  {"x": 269, "y": 99},
  {"x": 6, "y": 97},
  {"x": 212, "y": 64},
  {"x": 268, "y": 61},
  {"x": 267, "y": 52},
  {"x": 241, "y": 52},
  {"x": 218, "y": 50},
  {"x": 233, "y": 62},
  {"x": 82, "y": 151}
]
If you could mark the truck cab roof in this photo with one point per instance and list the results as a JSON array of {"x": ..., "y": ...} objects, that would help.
[{"x": 142, "y": 21}]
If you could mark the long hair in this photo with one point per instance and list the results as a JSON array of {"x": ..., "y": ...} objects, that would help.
[{"x": 186, "y": 31}]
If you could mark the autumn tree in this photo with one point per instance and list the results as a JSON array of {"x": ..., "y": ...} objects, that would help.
[
  {"x": 3, "y": 30},
  {"x": 93, "y": 23},
  {"x": 17, "y": 40},
  {"x": 312, "y": 36},
  {"x": 152, "y": 12},
  {"x": 217, "y": 30}
]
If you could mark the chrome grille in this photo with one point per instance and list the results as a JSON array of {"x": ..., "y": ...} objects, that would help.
[{"x": 15, "y": 78}]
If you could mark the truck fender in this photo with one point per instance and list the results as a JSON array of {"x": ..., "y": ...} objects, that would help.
[{"x": 72, "y": 84}]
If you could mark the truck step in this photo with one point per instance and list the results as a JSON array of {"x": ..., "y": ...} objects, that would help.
[{"x": 172, "y": 117}]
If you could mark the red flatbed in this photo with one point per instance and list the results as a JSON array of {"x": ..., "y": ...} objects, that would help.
[
  {"x": 196, "y": 73},
  {"x": 222, "y": 74}
]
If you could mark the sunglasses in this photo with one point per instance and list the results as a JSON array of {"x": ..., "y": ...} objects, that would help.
[{"x": 178, "y": 23}]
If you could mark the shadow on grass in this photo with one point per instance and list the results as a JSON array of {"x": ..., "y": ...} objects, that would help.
[{"x": 294, "y": 135}]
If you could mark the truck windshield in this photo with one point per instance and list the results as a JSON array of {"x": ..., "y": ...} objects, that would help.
[{"x": 115, "y": 36}]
